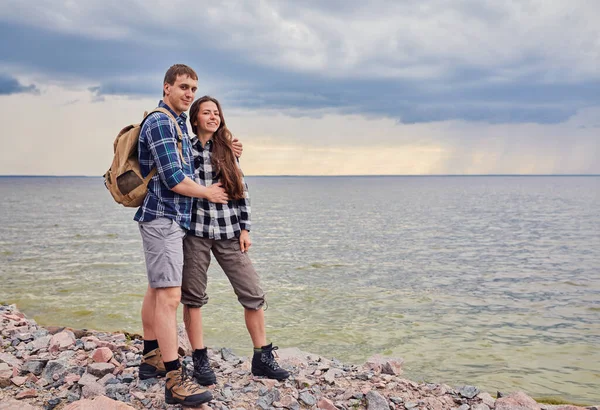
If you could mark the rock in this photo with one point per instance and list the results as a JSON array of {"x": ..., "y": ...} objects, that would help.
[
  {"x": 6, "y": 374},
  {"x": 102, "y": 355},
  {"x": 26, "y": 394},
  {"x": 86, "y": 379},
  {"x": 19, "y": 380},
  {"x": 34, "y": 366},
  {"x": 11, "y": 360},
  {"x": 92, "y": 389},
  {"x": 61, "y": 341},
  {"x": 516, "y": 401},
  {"x": 100, "y": 369},
  {"x": 228, "y": 355},
  {"x": 326, "y": 404},
  {"x": 376, "y": 401},
  {"x": 55, "y": 369},
  {"x": 480, "y": 406},
  {"x": 98, "y": 403},
  {"x": 487, "y": 399},
  {"x": 468, "y": 391},
  {"x": 392, "y": 366},
  {"x": 307, "y": 398},
  {"x": 12, "y": 404},
  {"x": 464, "y": 407},
  {"x": 185, "y": 347}
]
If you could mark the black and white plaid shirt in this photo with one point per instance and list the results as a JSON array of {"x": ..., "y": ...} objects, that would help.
[{"x": 210, "y": 220}]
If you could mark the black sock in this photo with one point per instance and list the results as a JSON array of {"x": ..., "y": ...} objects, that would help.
[
  {"x": 172, "y": 365},
  {"x": 150, "y": 345}
]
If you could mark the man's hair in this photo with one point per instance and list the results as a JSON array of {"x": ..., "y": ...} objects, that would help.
[{"x": 176, "y": 70}]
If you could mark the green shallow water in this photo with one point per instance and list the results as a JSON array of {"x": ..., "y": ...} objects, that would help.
[{"x": 492, "y": 281}]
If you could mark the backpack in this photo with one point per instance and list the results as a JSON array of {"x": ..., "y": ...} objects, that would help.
[{"x": 124, "y": 178}]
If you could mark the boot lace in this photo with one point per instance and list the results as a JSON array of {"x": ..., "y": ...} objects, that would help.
[
  {"x": 187, "y": 382},
  {"x": 202, "y": 365},
  {"x": 268, "y": 358}
]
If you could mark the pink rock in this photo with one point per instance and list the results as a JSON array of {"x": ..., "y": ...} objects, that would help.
[
  {"x": 61, "y": 341},
  {"x": 19, "y": 380},
  {"x": 26, "y": 394},
  {"x": 569, "y": 407},
  {"x": 326, "y": 404},
  {"x": 517, "y": 401},
  {"x": 103, "y": 343},
  {"x": 392, "y": 366},
  {"x": 12, "y": 404},
  {"x": 92, "y": 389},
  {"x": 98, "y": 403},
  {"x": 269, "y": 383},
  {"x": 102, "y": 355},
  {"x": 71, "y": 378},
  {"x": 6, "y": 373},
  {"x": 288, "y": 401}
]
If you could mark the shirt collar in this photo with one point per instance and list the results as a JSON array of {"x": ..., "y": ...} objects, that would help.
[
  {"x": 196, "y": 141},
  {"x": 183, "y": 115}
]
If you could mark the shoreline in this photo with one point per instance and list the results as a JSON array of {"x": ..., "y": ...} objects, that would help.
[{"x": 62, "y": 368}]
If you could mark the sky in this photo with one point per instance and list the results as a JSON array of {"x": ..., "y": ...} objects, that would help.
[{"x": 313, "y": 87}]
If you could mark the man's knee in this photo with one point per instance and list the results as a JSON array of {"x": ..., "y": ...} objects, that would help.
[{"x": 168, "y": 297}]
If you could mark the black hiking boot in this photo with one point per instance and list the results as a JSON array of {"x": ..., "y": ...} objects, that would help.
[
  {"x": 264, "y": 364},
  {"x": 203, "y": 373}
]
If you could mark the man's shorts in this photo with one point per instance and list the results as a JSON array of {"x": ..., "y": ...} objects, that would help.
[
  {"x": 163, "y": 250},
  {"x": 235, "y": 263}
]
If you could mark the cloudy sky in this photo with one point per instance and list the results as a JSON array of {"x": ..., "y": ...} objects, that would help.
[{"x": 312, "y": 87}]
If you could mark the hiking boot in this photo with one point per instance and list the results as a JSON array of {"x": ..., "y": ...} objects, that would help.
[
  {"x": 152, "y": 365},
  {"x": 180, "y": 388},
  {"x": 264, "y": 364},
  {"x": 202, "y": 370}
]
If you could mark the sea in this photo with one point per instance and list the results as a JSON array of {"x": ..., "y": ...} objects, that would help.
[{"x": 492, "y": 281}]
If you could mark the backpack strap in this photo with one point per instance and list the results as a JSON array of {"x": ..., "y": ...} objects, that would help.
[{"x": 177, "y": 128}]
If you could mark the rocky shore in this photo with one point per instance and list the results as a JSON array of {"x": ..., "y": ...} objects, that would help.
[{"x": 60, "y": 368}]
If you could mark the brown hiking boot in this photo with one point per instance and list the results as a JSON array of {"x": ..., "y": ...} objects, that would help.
[
  {"x": 152, "y": 365},
  {"x": 180, "y": 388}
]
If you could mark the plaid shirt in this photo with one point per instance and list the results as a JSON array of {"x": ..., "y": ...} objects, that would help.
[
  {"x": 157, "y": 147},
  {"x": 210, "y": 220}
]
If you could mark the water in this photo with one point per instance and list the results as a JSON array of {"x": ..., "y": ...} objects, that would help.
[{"x": 492, "y": 281}]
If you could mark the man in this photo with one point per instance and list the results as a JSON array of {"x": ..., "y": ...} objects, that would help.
[{"x": 163, "y": 218}]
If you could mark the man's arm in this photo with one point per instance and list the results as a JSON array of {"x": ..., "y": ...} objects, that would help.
[
  {"x": 162, "y": 143},
  {"x": 237, "y": 147}
]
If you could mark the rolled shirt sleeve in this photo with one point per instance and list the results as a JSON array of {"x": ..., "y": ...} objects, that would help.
[{"x": 244, "y": 207}]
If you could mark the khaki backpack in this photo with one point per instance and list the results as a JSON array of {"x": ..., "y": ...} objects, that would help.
[{"x": 124, "y": 178}]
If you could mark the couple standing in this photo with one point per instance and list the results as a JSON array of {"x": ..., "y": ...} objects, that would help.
[{"x": 196, "y": 203}]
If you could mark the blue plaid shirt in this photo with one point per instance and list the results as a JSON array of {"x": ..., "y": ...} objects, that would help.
[{"x": 157, "y": 147}]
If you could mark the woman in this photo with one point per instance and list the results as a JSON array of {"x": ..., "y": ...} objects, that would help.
[{"x": 224, "y": 230}]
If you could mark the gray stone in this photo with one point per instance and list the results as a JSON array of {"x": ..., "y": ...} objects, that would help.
[
  {"x": 376, "y": 401},
  {"x": 92, "y": 390},
  {"x": 87, "y": 379},
  {"x": 55, "y": 369},
  {"x": 480, "y": 406},
  {"x": 411, "y": 405},
  {"x": 468, "y": 391},
  {"x": 113, "y": 390},
  {"x": 464, "y": 407},
  {"x": 307, "y": 398},
  {"x": 34, "y": 366},
  {"x": 228, "y": 355}
]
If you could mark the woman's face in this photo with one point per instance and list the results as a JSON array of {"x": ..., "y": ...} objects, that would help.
[{"x": 208, "y": 119}]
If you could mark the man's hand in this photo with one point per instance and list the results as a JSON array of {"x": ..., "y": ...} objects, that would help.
[
  {"x": 215, "y": 193},
  {"x": 245, "y": 242},
  {"x": 237, "y": 147}
]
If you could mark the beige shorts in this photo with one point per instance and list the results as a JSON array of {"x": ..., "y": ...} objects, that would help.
[
  {"x": 235, "y": 263},
  {"x": 163, "y": 250}
]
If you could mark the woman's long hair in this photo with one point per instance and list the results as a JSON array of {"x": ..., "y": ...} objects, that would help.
[{"x": 223, "y": 158}]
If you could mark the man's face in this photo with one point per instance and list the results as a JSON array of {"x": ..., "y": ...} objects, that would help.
[{"x": 180, "y": 95}]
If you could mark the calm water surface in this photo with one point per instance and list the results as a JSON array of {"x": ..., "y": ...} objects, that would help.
[{"x": 492, "y": 281}]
